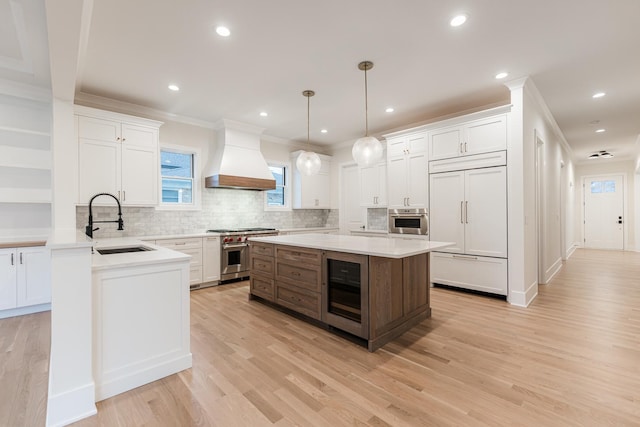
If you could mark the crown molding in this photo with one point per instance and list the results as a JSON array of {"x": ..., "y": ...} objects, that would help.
[{"x": 101, "y": 102}]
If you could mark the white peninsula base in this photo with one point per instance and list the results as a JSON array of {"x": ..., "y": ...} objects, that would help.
[{"x": 141, "y": 319}]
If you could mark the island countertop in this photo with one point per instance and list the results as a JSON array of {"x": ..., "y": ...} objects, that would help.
[{"x": 375, "y": 246}]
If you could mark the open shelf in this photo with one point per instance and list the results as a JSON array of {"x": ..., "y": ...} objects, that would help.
[{"x": 16, "y": 157}]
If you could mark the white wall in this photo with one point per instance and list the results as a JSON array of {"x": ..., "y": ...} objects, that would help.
[{"x": 608, "y": 167}]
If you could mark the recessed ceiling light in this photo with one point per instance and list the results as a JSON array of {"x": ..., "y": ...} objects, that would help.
[
  {"x": 598, "y": 95},
  {"x": 324, "y": 131},
  {"x": 601, "y": 130},
  {"x": 501, "y": 75},
  {"x": 458, "y": 20},
  {"x": 223, "y": 31},
  {"x": 389, "y": 110},
  {"x": 264, "y": 114},
  {"x": 594, "y": 122},
  {"x": 173, "y": 88}
]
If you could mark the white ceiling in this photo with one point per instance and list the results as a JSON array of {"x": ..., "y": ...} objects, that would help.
[{"x": 423, "y": 67}]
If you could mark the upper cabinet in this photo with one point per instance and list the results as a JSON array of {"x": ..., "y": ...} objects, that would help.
[
  {"x": 407, "y": 181},
  {"x": 474, "y": 137},
  {"x": 118, "y": 154},
  {"x": 373, "y": 186},
  {"x": 311, "y": 192}
]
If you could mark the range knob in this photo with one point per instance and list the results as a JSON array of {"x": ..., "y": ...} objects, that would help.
[{"x": 239, "y": 239}]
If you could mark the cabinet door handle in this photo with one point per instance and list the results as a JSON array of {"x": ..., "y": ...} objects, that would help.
[
  {"x": 466, "y": 212},
  {"x": 11, "y": 259},
  {"x": 124, "y": 195},
  {"x": 118, "y": 138},
  {"x": 461, "y": 148},
  {"x": 119, "y": 195},
  {"x": 124, "y": 139},
  {"x": 461, "y": 211},
  {"x": 20, "y": 257},
  {"x": 465, "y": 147},
  {"x": 465, "y": 257}
]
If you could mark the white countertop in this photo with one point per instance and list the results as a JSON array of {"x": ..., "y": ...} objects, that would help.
[
  {"x": 132, "y": 259},
  {"x": 376, "y": 246},
  {"x": 369, "y": 231}
]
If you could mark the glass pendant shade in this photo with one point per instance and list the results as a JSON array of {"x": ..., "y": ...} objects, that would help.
[
  {"x": 308, "y": 163},
  {"x": 367, "y": 151}
]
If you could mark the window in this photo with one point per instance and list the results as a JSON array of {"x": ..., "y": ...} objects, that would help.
[
  {"x": 603, "y": 187},
  {"x": 176, "y": 170},
  {"x": 278, "y": 198}
]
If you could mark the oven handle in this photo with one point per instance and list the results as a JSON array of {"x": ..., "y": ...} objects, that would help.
[{"x": 241, "y": 245}]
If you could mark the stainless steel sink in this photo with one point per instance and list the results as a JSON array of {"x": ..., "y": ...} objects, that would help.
[{"x": 123, "y": 250}]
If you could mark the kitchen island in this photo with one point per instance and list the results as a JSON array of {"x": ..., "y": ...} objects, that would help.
[{"x": 374, "y": 288}]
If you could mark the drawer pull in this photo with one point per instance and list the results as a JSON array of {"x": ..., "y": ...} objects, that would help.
[
  {"x": 465, "y": 257},
  {"x": 180, "y": 244},
  {"x": 295, "y": 273}
]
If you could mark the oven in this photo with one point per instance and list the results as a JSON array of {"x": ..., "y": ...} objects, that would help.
[
  {"x": 409, "y": 221},
  {"x": 234, "y": 250}
]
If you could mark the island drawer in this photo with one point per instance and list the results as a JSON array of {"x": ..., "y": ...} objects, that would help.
[
  {"x": 262, "y": 287},
  {"x": 300, "y": 300},
  {"x": 264, "y": 249},
  {"x": 309, "y": 257},
  {"x": 307, "y": 278},
  {"x": 262, "y": 265}
]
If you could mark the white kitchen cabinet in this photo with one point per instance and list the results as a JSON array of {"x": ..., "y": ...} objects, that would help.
[
  {"x": 118, "y": 154},
  {"x": 469, "y": 207},
  {"x": 482, "y": 274},
  {"x": 311, "y": 192},
  {"x": 190, "y": 246},
  {"x": 474, "y": 137},
  {"x": 211, "y": 259},
  {"x": 25, "y": 279},
  {"x": 407, "y": 182},
  {"x": 373, "y": 186}
]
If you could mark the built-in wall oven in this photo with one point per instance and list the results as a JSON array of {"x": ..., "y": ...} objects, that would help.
[
  {"x": 234, "y": 250},
  {"x": 409, "y": 221}
]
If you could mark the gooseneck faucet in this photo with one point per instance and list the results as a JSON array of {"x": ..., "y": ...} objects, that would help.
[{"x": 89, "y": 228}]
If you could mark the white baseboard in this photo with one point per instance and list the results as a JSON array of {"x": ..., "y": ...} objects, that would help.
[
  {"x": 140, "y": 377},
  {"x": 71, "y": 406},
  {"x": 571, "y": 250},
  {"x": 24, "y": 310},
  {"x": 553, "y": 270},
  {"x": 523, "y": 299}
]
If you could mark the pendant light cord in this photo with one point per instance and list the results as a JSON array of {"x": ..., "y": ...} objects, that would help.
[
  {"x": 308, "y": 119},
  {"x": 366, "y": 105}
]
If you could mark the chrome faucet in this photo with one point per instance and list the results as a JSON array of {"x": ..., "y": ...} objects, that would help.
[{"x": 89, "y": 228}]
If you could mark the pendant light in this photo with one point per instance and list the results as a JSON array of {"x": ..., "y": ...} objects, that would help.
[
  {"x": 308, "y": 162},
  {"x": 367, "y": 150}
]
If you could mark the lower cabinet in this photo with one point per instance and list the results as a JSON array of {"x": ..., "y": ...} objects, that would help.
[
  {"x": 189, "y": 246},
  {"x": 211, "y": 259},
  {"x": 25, "y": 280},
  {"x": 478, "y": 273}
]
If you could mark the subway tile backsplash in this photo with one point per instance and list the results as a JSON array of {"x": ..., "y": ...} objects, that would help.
[{"x": 221, "y": 208}]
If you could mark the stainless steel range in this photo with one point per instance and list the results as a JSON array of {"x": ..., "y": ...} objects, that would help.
[{"x": 234, "y": 250}]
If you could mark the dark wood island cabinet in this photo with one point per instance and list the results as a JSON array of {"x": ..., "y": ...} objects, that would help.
[{"x": 352, "y": 289}]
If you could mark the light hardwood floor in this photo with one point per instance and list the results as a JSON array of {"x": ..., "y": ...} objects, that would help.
[
  {"x": 24, "y": 369},
  {"x": 571, "y": 359}
]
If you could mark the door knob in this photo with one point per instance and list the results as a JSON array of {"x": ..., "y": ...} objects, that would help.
[{"x": 619, "y": 220}]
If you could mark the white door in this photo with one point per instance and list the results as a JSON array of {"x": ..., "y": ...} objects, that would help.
[
  {"x": 351, "y": 214},
  {"x": 486, "y": 212},
  {"x": 604, "y": 212},
  {"x": 446, "y": 209}
]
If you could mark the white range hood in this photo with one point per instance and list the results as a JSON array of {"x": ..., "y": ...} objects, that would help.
[{"x": 237, "y": 162}]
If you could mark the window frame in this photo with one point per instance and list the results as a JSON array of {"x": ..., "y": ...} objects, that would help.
[
  {"x": 196, "y": 179},
  {"x": 287, "y": 187}
]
